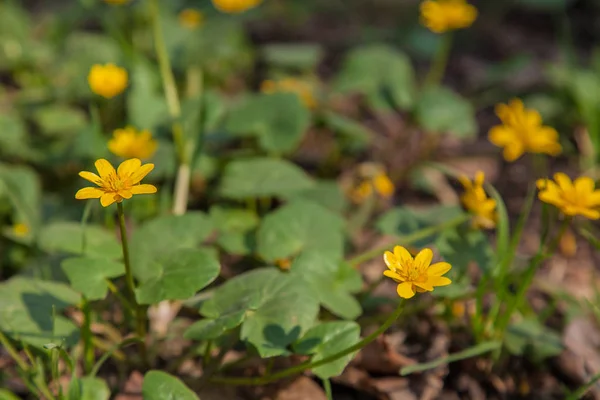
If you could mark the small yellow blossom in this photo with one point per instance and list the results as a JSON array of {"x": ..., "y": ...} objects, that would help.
[
  {"x": 383, "y": 185},
  {"x": 117, "y": 2},
  {"x": 440, "y": 16},
  {"x": 415, "y": 274},
  {"x": 372, "y": 179},
  {"x": 304, "y": 90},
  {"x": 579, "y": 197},
  {"x": 362, "y": 192},
  {"x": 20, "y": 230},
  {"x": 235, "y": 6},
  {"x": 522, "y": 131},
  {"x": 116, "y": 185},
  {"x": 130, "y": 143},
  {"x": 284, "y": 264},
  {"x": 475, "y": 200},
  {"x": 190, "y": 18},
  {"x": 107, "y": 80}
]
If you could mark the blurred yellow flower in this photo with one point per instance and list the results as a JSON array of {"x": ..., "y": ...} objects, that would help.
[
  {"x": 383, "y": 185},
  {"x": 117, "y": 2},
  {"x": 284, "y": 264},
  {"x": 440, "y": 16},
  {"x": 107, "y": 80},
  {"x": 572, "y": 198},
  {"x": 475, "y": 200},
  {"x": 116, "y": 185},
  {"x": 363, "y": 191},
  {"x": 130, "y": 143},
  {"x": 190, "y": 18},
  {"x": 522, "y": 131},
  {"x": 302, "y": 89},
  {"x": 415, "y": 274},
  {"x": 235, "y": 6},
  {"x": 20, "y": 229},
  {"x": 372, "y": 179}
]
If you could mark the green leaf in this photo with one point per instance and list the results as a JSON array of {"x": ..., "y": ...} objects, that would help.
[
  {"x": 14, "y": 140},
  {"x": 462, "y": 245},
  {"x": 262, "y": 177},
  {"x": 299, "y": 226},
  {"x": 440, "y": 110},
  {"x": 383, "y": 74},
  {"x": 235, "y": 228},
  {"x": 151, "y": 243},
  {"x": 327, "y": 339},
  {"x": 214, "y": 328},
  {"x": 59, "y": 121},
  {"x": 26, "y": 311},
  {"x": 352, "y": 134},
  {"x": 279, "y": 121},
  {"x": 404, "y": 221},
  {"x": 22, "y": 186},
  {"x": 70, "y": 237},
  {"x": 88, "y": 388},
  {"x": 6, "y": 395},
  {"x": 530, "y": 337},
  {"x": 278, "y": 308},
  {"x": 182, "y": 273},
  {"x": 89, "y": 275},
  {"x": 332, "y": 279},
  {"x": 326, "y": 193},
  {"x": 159, "y": 385},
  {"x": 302, "y": 56}
]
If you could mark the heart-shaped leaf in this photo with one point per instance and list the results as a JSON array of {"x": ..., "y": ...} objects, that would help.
[
  {"x": 262, "y": 177},
  {"x": 277, "y": 306},
  {"x": 235, "y": 228},
  {"x": 327, "y": 339},
  {"x": 159, "y": 385},
  {"x": 213, "y": 328},
  {"x": 88, "y": 388},
  {"x": 89, "y": 275},
  {"x": 440, "y": 110},
  {"x": 72, "y": 238},
  {"x": 183, "y": 272},
  {"x": 299, "y": 226}
]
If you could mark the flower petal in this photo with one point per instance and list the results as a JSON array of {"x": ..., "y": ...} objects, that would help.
[
  {"x": 143, "y": 189},
  {"x": 423, "y": 259},
  {"x": 502, "y": 135},
  {"x": 390, "y": 260},
  {"x": 107, "y": 199},
  {"x": 104, "y": 168},
  {"x": 438, "y": 269},
  {"x": 589, "y": 213},
  {"x": 513, "y": 151},
  {"x": 141, "y": 173},
  {"x": 402, "y": 255},
  {"x": 405, "y": 290},
  {"x": 439, "y": 281},
  {"x": 90, "y": 176},
  {"x": 424, "y": 285},
  {"x": 393, "y": 275},
  {"x": 89, "y": 193},
  {"x": 584, "y": 186},
  {"x": 128, "y": 168},
  {"x": 125, "y": 193},
  {"x": 564, "y": 182}
]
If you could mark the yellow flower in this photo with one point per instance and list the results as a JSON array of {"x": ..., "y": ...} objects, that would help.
[
  {"x": 116, "y": 2},
  {"x": 445, "y": 15},
  {"x": 284, "y": 263},
  {"x": 415, "y": 274},
  {"x": 302, "y": 89},
  {"x": 475, "y": 200},
  {"x": 383, "y": 185},
  {"x": 361, "y": 192},
  {"x": 190, "y": 18},
  {"x": 572, "y": 198},
  {"x": 116, "y": 185},
  {"x": 107, "y": 80},
  {"x": 130, "y": 143},
  {"x": 20, "y": 229},
  {"x": 235, "y": 6},
  {"x": 522, "y": 131}
]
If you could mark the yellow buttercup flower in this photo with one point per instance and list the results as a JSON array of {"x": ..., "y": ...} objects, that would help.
[
  {"x": 373, "y": 179},
  {"x": 579, "y": 197},
  {"x": 130, "y": 143},
  {"x": 235, "y": 6},
  {"x": 302, "y": 89},
  {"x": 522, "y": 132},
  {"x": 116, "y": 185},
  {"x": 475, "y": 200},
  {"x": 440, "y": 16},
  {"x": 190, "y": 18},
  {"x": 107, "y": 80},
  {"x": 415, "y": 274},
  {"x": 20, "y": 229},
  {"x": 383, "y": 185}
]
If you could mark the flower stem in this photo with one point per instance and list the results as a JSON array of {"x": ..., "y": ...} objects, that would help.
[
  {"x": 86, "y": 333},
  {"x": 408, "y": 239},
  {"x": 310, "y": 365},
  {"x": 140, "y": 318},
  {"x": 438, "y": 65}
]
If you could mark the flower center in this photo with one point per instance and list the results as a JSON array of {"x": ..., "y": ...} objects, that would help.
[
  {"x": 115, "y": 184},
  {"x": 410, "y": 271}
]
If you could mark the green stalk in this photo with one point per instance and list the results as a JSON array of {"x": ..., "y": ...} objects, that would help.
[
  {"x": 139, "y": 311},
  {"x": 86, "y": 334},
  {"x": 408, "y": 239},
  {"x": 327, "y": 387},
  {"x": 440, "y": 61},
  {"x": 310, "y": 365}
]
